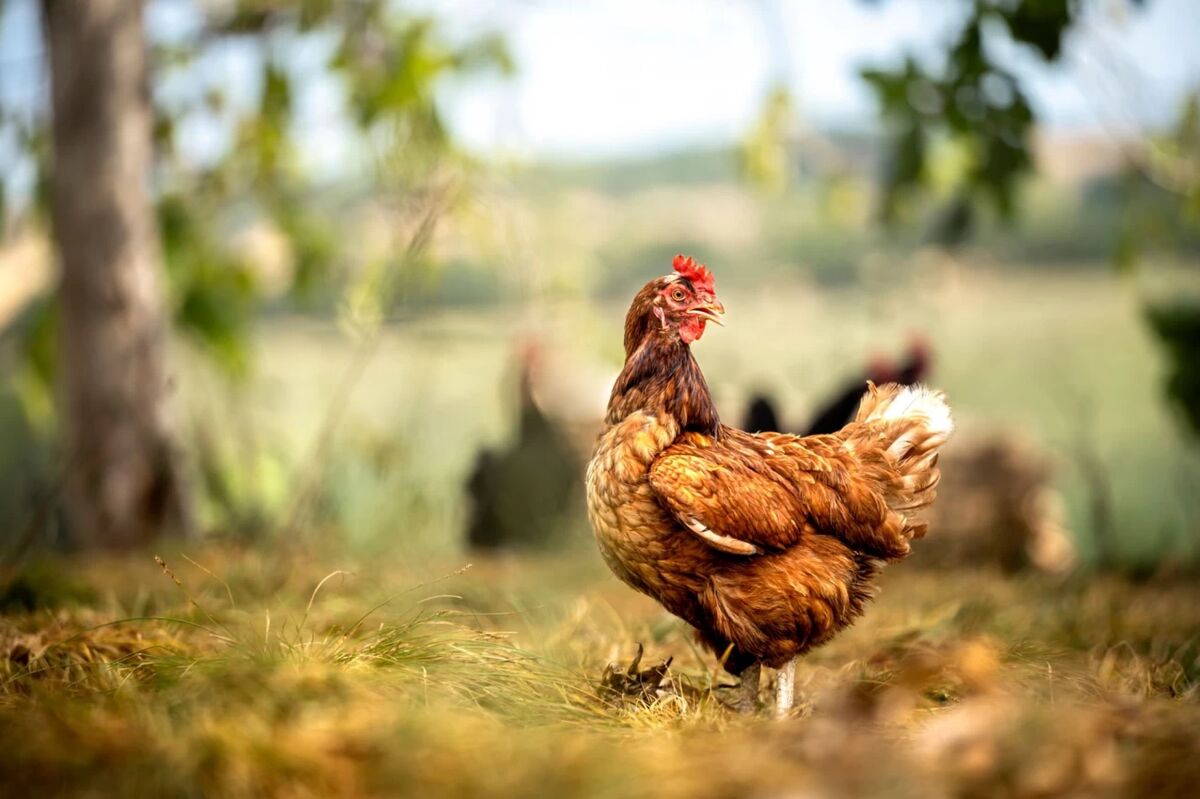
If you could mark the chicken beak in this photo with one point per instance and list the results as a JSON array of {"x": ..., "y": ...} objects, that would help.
[{"x": 712, "y": 311}]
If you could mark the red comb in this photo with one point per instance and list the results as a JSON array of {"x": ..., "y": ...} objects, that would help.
[{"x": 698, "y": 274}]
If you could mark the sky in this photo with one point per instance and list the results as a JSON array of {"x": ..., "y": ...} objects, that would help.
[
  {"x": 615, "y": 77},
  {"x": 612, "y": 78}
]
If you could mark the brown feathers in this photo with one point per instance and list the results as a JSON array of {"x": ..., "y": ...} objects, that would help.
[
  {"x": 768, "y": 542},
  {"x": 660, "y": 372}
]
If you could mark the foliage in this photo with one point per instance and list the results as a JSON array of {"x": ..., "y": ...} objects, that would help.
[
  {"x": 974, "y": 102},
  {"x": 382, "y": 65},
  {"x": 1161, "y": 212},
  {"x": 764, "y": 152},
  {"x": 1177, "y": 326},
  {"x": 385, "y": 63},
  {"x": 972, "y": 105},
  {"x": 1160, "y": 192}
]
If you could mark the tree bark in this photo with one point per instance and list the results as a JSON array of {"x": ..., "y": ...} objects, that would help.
[{"x": 123, "y": 484}]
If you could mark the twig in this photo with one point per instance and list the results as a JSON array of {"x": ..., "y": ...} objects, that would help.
[
  {"x": 313, "y": 466},
  {"x": 167, "y": 571}
]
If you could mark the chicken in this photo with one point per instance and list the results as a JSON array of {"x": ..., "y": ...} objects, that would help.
[
  {"x": 526, "y": 494},
  {"x": 760, "y": 414},
  {"x": 767, "y": 544},
  {"x": 839, "y": 411}
]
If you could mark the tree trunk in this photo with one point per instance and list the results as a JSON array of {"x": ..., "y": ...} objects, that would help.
[{"x": 123, "y": 485}]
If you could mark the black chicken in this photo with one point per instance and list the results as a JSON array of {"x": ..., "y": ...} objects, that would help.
[
  {"x": 840, "y": 409},
  {"x": 524, "y": 495}
]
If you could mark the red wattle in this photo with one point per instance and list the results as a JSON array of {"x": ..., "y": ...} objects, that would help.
[{"x": 691, "y": 329}]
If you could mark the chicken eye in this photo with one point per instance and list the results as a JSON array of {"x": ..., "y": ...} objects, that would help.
[{"x": 678, "y": 295}]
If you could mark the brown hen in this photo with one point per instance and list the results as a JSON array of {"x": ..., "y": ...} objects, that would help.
[{"x": 767, "y": 544}]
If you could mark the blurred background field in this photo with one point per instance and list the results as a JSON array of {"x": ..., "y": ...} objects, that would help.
[
  {"x": 384, "y": 236},
  {"x": 1075, "y": 364}
]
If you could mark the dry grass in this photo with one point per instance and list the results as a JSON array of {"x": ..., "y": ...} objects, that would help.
[{"x": 248, "y": 680}]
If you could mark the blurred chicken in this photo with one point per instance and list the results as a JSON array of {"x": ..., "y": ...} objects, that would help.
[
  {"x": 761, "y": 415},
  {"x": 839, "y": 409},
  {"x": 998, "y": 506},
  {"x": 523, "y": 496},
  {"x": 767, "y": 544}
]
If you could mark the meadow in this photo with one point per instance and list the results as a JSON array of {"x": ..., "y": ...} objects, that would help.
[
  {"x": 241, "y": 673},
  {"x": 355, "y": 649}
]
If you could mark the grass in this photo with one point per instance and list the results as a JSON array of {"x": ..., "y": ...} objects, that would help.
[{"x": 261, "y": 673}]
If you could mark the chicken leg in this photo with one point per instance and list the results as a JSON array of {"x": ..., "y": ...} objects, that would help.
[{"x": 785, "y": 688}]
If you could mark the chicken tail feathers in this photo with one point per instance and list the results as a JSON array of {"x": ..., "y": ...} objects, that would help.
[
  {"x": 895, "y": 402},
  {"x": 914, "y": 423}
]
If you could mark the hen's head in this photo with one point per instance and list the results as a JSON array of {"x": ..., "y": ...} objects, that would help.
[{"x": 676, "y": 306}]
